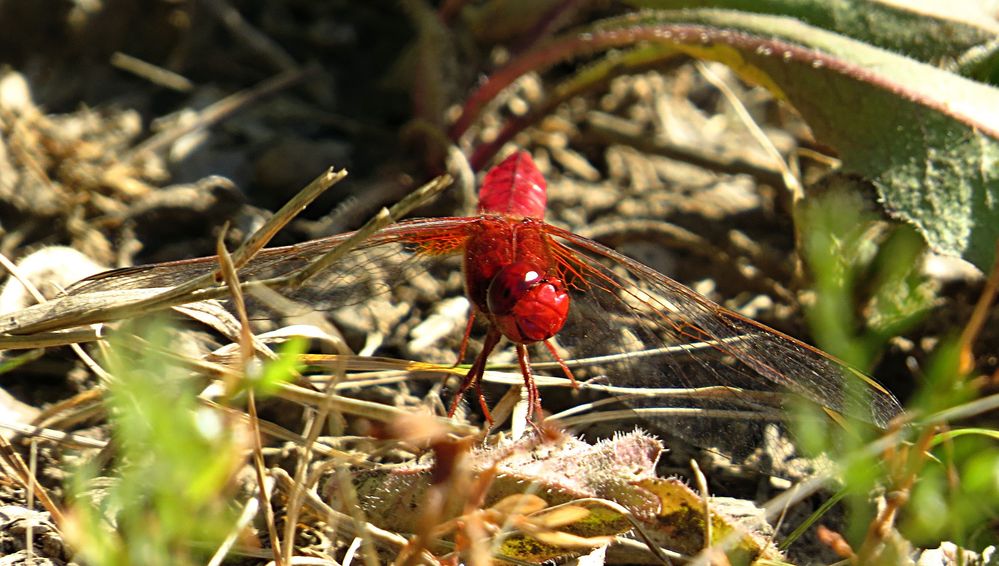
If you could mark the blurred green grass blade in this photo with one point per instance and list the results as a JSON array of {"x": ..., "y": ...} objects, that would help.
[
  {"x": 955, "y": 433},
  {"x": 176, "y": 460}
]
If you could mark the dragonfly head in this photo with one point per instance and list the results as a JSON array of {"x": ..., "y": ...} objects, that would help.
[{"x": 527, "y": 305}]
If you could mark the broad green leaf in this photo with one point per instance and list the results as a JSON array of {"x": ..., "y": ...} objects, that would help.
[
  {"x": 926, "y": 138},
  {"x": 928, "y": 31}
]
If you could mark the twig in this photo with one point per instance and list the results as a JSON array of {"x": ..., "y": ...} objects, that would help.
[
  {"x": 49, "y": 339},
  {"x": 978, "y": 317},
  {"x": 219, "y": 111},
  {"x": 29, "y": 542},
  {"x": 702, "y": 485},
  {"x": 68, "y": 439},
  {"x": 250, "y": 509},
  {"x": 790, "y": 181},
  {"x": 21, "y": 472},
  {"x": 152, "y": 73},
  {"x": 254, "y": 39}
]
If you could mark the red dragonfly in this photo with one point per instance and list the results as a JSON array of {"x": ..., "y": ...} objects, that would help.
[{"x": 536, "y": 283}]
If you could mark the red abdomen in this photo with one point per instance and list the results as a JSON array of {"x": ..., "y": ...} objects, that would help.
[{"x": 515, "y": 187}]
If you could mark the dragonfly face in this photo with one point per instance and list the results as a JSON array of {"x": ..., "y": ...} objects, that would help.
[{"x": 527, "y": 304}]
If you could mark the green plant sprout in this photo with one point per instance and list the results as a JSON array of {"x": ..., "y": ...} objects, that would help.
[
  {"x": 941, "y": 486},
  {"x": 176, "y": 458}
]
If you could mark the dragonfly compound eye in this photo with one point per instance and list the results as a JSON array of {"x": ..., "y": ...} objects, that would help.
[
  {"x": 526, "y": 306},
  {"x": 509, "y": 285}
]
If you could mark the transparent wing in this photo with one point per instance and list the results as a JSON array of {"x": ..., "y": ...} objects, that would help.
[
  {"x": 703, "y": 359},
  {"x": 378, "y": 264}
]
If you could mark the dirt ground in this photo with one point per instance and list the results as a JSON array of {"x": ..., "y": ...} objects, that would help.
[{"x": 134, "y": 131}]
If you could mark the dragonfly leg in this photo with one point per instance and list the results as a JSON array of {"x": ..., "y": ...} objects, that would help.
[
  {"x": 464, "y": 340},
  {"x": 474, "y": 375},
  {"x": 533, "y": 397},
  {"x": 561, "y": 363}
]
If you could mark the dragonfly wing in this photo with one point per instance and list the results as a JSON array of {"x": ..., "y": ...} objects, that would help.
[
  {"x": 376, "y": 265},
  {"x": 676, "y": 338}
]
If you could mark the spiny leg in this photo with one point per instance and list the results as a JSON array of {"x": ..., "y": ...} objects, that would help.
[
  {"x": 533, "y": 397},
  {"x": 562, "y": 364},
  {"x": 474, "y": 375},
  {"x": 464, "y": 340}
]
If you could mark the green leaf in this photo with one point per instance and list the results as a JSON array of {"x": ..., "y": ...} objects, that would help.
[
  {"x": 928, "y": 139},
  {"x": 954, "y": 433},
  {"x": 282, "y": 370},
  {"x": 927, "y": 31}
]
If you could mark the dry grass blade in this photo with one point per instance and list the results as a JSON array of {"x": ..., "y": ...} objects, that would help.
[
  {"x": 979, "y": 316},
  {"x": 384, "y": 538},
  {"x": 27, "y": 480},
  {"x": 702, "y": 486},
  {"x": 90, "y": 308},
  {"x": 49, "y": 339},
  {"x": 246, "y": 349},
  {"x": 152, "y": 73},
  {"x": 790, "y": 180},
  {"x": 384, "y": 217},
  {"x": 220, "y": 111},
  {"x": 368, "y": 409},
  {"x": 256, "y": 40},
  {"x": 250, "y": 509},
  {"x": 64, "y": 438},
  {"x": 317, "y": 420},
  {"x": 346, "y": 489}
]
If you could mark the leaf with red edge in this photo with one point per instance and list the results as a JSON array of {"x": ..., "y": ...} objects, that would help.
[{"x": 930, "y": 31}]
